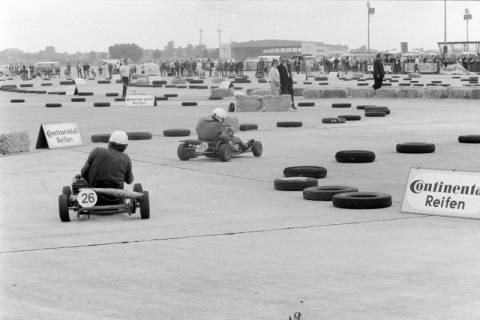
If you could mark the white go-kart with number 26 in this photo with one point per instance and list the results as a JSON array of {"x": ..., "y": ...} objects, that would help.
[{"x": 84, "y": 200}]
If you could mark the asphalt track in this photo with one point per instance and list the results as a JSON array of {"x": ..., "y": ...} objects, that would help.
[{"x": 221, "y": 243}]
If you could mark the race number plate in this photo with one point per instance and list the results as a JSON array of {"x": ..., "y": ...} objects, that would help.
[
  {"x": 87, "y": 198},
  {"x": 202, "y": 147}
]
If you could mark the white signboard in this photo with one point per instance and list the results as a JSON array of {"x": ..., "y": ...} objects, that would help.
[
  {"x": 225, "y": 85},
  {"x": 140, "y": 100},
  {"x": 443, "y": 192},
  {"x": 79, "y": 81},
  {"x": 116, "y": 77},
  {"x": 70, "y": 91},
  {"x": 58, "y": 135}
]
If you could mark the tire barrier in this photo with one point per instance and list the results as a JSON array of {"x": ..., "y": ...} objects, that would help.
[
  {"x": 325, "y": 193},
  {"x": 306, "y": 104},
  {"x": 333, "y": 120},
  {"x": 176, "y": 132},
  {"x": 294, "y": 183},
  {"x": 307, "y": 82},
  {"x": 101, "y": 104},
  {"x": 161, "y": 98},
  {"x": 248, "y": 126},
  {"x": 60, "y": 93},
  {"x": 377, "y": 108},
  {"x": 170, "y": 86},
  {"x": 67, "y": 83},
  {"x": 47, "y": 84},
  {"x": 289, "y": 124},
  {"x": 375, "y": 114},
  {"x": 415, "y": 147},
  {"x": 78, "y": 99},
  {"x": 17, "y": 100},
  {"x": 26, "y": 85},
  {"x": 139, "y": 135},
  {"x": 53, "y": 105},
  {"x": 170, "y": 95},
  {"x": 215, "y": 98},
  {"x": 111, "y": 94},
  {"x": 103, "y": 81},
  {"x": 120, "y": 99},
  {"x": 362, "y": 107},
  {"x": 362, "y": 200},
  {"x": 188, "y": 103},
  {"x": 305, "y": 171},
  {"x": 355, "y": 156},
  {"x": 350, "y": 117},
  {"x": 469, "y": 139},
  {"x": 85, "y": 93}
]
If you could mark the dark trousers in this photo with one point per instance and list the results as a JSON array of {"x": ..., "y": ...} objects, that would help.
[
  {"x": 377, "y": 82},
  {"x": 287, "y": 88},
  {"x": 125, "y": 86}
]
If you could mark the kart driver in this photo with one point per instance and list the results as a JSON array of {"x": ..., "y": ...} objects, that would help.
[
  {"x": 214, "y": 128},
  {"x": 109, "y": 168}
]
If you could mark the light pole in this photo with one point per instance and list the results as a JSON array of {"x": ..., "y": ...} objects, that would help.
[
  {"x": 371, "y": 11},
  {"x": 200, "y": 32},
  {"x": 467, "y": 16}
]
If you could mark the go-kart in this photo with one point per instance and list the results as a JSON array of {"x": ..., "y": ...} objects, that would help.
[
  {"x": 224, "y": 150},
  {"x": 86, "y": 200}
]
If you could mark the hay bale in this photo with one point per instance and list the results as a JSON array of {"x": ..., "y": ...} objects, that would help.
[
  {"x": 413, "y": 75},
  {"x": 276, "y": 103},
  {"x": 475, "y": 93},
  {"x": 387, "y": 93},
  {"x": 410, "y": 93},
  {"x": 362, "y": 92},
  {"x": 221, "y": 93},
  {"x": 248, "y": 103},
  {"x": 217, "y": 80},
  {"x": 179, "y": 81},
  {"x": 313, "y": 93},
  {"x": 336, "y": 92},
  {"x": 298, "y": 92},
  {"x": 258, "y": 92},
  {"x": 460, "y": 93},
  {"x": 436, "y": 92},
  {"x": 14, "y": 142}
]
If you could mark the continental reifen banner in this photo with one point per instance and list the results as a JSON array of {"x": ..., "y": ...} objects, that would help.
[
  {"x": 443, "y": 192},
  {"x": 427, "y": 67}
]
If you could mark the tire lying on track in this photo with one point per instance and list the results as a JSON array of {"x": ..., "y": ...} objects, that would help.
[
  {"x": 350, "y": 117},
  {"x": 306, "y": 104},
  {"x": 17, "y": 100},
  {"x": 294, "y": 183},
  {"x": 375, "y": 108},
  {"x": 355, "y": 156},
  {"x": 469, "y": 139},
  {"x": 415, "y": 147},
  {"x": 188, "y": 103},
  {"x": 248, "y": 126},
  {"x": 362, "y": 107},
  {"x": 170, "y": 95},
  {"x": 139, "y": 135},
  {"x": 53, "y": 105},
  {"x": 362, "y": 200},
  {"x": 215, "y": 98},
  {"x": 341, "y": 105},
  {"x": 120, "y": 99},
  {"x": 305, "y": 171},
  {"x": 46, "y": 84},
  {"x": 333, "y": 120},
  {"x": 375, "y": 114},
  {"x": 176, "y": 132},
  {"x": 26, "y": 85},
  {"x": 78, "y": 99},
  {"x": 325, "y": 193},
  {"x": 101, "y": 104},
  {"x": 103, "y": 81},
  {"x": 85, "y": 94},
  {"x": 111, "y": 94},
  {"x": 68, "y": 82},
  {"x": 289, "y": 124}
]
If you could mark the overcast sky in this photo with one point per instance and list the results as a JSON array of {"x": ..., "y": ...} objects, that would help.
[{"x": 84, "y": 25}]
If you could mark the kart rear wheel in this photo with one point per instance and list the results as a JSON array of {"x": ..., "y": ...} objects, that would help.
[
  {"x": 225, "y": 152},
  {"x": 257, "y": 148},
  {"x": 183, "y": 152},
  {"x": 63, "y": 208},
  {"x": 145, "y": 206}
]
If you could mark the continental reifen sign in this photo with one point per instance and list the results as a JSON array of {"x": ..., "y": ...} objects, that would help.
[{"x": 443, "y": 192}]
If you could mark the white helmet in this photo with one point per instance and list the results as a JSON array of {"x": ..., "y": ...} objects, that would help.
[
  {"x": 219, "y": 114},
  {"x": 119, "y": 137}
]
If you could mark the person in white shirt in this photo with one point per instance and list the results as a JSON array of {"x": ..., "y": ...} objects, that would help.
[
  {"x": 125, "y": 75},
  {"x": 274, "y": 77}
]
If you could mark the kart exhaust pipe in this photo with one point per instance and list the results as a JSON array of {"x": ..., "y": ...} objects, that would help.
[{"x": 119, "y": 193}]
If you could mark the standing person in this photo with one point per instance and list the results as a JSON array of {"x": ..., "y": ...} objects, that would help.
[
  {"x": 274, "y": 77},
  {"x": 212, "y": 65},
  {"x": 378, "y": 72},
  {"x": 79, "y": 70},
  {"x": 125, "y": 75},
  {"x": 286, "y": 82}
]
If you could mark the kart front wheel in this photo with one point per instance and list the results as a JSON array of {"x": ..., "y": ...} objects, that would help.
[
  {"x": 67, "y": 191},
  {"x": 63, "y": 208},
  {"x": 225, "y": 152},
  {"x": 257, "y": 148},
  {"x": 145, "y": 206},
  {"x": 183, "y": 152}
]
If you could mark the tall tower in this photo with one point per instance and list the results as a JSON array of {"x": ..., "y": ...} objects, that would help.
[
  {"x": 219, "y": 37},
  {"x": 200, "y": 31}
]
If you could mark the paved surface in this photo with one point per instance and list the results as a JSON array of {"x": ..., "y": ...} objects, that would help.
[{"x": 221, "y": 243}]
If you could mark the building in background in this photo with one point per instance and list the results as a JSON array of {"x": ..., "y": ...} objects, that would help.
[{"x": 274, "y": 47}]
